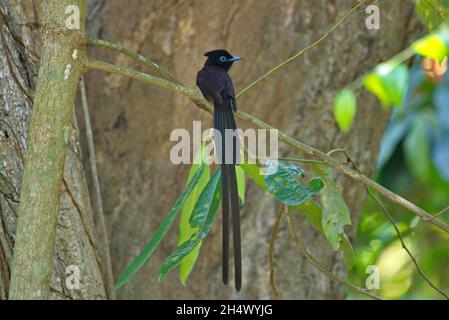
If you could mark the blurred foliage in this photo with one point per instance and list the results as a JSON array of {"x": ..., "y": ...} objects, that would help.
[
  {"x": 432, "y": 12},
  {"x": 414, "y": 163}
]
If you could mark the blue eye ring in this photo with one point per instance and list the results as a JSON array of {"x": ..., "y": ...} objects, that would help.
[{"x": 223, "y": 59}]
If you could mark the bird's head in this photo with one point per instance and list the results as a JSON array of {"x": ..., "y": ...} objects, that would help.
[{"x": 221, "y": 58}]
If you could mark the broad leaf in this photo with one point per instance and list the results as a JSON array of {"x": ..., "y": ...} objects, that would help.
[
  {"x": 393, "y": 135},
  {"x": 432, "y": 12},
  {"x": 203, "y": 217},
  {"x": 345, "y": 106},
  {"x": 388, "y": 83},
  {"x": 440, "y": 154},
  {"x": 241, "y": 183},
  {"x": 335, "y": 211},
  {"x": 310, "y": 209},
  {"x": 441, "y": 98},
  {"x": 347, "y": 252},
  {"x": 185, "y": 229},
  {"x": 417, "y": 150},
  {"x": 254, "y": 173},
  {"x": 285, "y": 186},
  {"x": 440, "y": 145},
  {"x": 435, "y": 45},
  {"x": 159, "y": 234}
]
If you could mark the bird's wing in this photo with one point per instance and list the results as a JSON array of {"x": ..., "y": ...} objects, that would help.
[
  {"x": 210, "y": 85},
  {"x": 230, "y": 93}
]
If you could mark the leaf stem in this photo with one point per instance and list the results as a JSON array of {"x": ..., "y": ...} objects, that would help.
[{"x": 101, "y": 224}]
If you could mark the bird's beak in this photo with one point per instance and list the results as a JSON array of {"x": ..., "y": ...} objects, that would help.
[{"x": 235, "y": 59}]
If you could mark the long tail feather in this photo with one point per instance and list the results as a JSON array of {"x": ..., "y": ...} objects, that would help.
[
  {"x": 220, "y": 125},
  {"x": 224, "y": 119},
  {"x": 235, "y": 209}
]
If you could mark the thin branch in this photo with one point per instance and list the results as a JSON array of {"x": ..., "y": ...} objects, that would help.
[
  {"x": 315, "y": 263},
  {"x": 438, "y": 214},
  {"x": 308, "y": 150},
  {"x": 302, "y": 52},
  {"x": 102, "y": 234},
  {"x": 398, "y": 232},
  {"x": 289, "y": 159},
  {"x": 138, "y": 57},
  {"x": 393, "y": 62},
  {"x": 167, "y": 75},
  {"x": 270, "y": 252},
  {"x": 404, "y": 246},
  {"x": 131, "y": 73}
]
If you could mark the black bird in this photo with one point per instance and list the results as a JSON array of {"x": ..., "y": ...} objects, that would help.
[{"x": 216, "y": 85}]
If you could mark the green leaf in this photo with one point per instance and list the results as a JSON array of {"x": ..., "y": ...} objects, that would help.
[
  {"x": 432, "y": 12},
  {"x": 206, "y": 202},
  {"x": 285, "y": 187},
  {"x": 185, "y": 229},
  {"x": 417, "y": 150},
  {"x": 347, "y": 252},
  {"x": 310, "y": 209},
  {"x": 149, "y": 248},
  {"x": 392, "y": 136},
  {"x": 435, "y": 45},
  {"x": 345, "y": 107},
  {"x": 203, "y": 217},
  {"x": 414, "y": 223},
  {"x": 388, "y": 82},
  {"x": 241, "y": 183},
  {"x": 253, "y": 172},
  {"x": 335, "y": 212}
]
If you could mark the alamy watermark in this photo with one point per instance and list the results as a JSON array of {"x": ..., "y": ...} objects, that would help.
[
  {"x": 72, "y": 21},
  {"x": 373, "y": 280},
  {"x": 259, "y": 144},
  {"x": 372, "y": 22}
]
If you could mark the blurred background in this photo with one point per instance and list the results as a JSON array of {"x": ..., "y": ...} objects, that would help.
[{"x": 413, "y": 162}]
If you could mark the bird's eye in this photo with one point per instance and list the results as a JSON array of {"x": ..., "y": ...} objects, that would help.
[{"x": 223, "y": 59}]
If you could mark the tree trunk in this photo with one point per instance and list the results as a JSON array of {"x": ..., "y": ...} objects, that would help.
[
  {"x": 75, "y": 247},
  {"x": 133, "y": 123}
]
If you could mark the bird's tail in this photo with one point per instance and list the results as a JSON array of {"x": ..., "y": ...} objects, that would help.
[{"x": 224, "y": 119}]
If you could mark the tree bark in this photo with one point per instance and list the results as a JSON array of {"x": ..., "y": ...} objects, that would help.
[
  {"x": 132, "y": 124},
  {"x": 20, "y": 24}
]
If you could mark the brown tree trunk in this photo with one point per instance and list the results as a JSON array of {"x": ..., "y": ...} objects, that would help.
[
  {"x": 133, "y": 123},
  {"x": 20, "y": 27}
]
